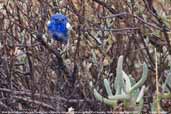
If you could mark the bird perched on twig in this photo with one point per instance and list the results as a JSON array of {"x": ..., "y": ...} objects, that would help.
[{"x": 58, "y": 27}]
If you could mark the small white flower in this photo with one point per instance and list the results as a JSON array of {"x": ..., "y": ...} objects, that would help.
[{"x": 70, "y": 110}]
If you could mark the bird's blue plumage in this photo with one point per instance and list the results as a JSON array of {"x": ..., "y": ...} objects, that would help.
[{"x": 57, "y": 27}]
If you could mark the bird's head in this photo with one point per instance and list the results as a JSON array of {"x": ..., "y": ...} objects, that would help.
[{"x": 59, "y": 18}]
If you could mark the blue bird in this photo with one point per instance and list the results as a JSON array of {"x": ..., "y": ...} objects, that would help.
[{"x": 58, "y": 27}]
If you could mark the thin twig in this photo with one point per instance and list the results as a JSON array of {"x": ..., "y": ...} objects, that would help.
[
  {"x": 157, "y": 85},
  {"x": 35, "y": 102},
  {"x": 114, "y": 30}
]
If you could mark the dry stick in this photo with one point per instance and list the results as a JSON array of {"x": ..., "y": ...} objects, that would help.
[
  {"x": 107, "y": 6},
  {"x": 28, "y": 94},
  {"x": 31, "y": 70},
  {"x": 2, "y": 105},
  {"x": 146, "y": 23},
  {"x": 147, "y": 50},
  {"x": 35, "y": 102},
  {"x": 129, "y": 29},
  {"x": 157, "y": 86}
]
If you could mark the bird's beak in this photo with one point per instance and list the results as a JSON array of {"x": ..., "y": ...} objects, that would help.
[{"x": 68, "y": 26}]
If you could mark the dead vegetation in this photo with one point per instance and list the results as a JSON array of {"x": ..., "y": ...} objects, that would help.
[{"x": 34, "y": 76}]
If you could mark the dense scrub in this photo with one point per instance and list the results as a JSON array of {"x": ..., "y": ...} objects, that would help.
[{"x": 36, "y": 76}]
